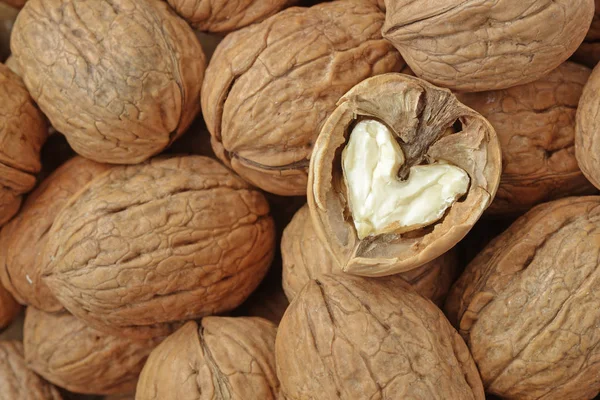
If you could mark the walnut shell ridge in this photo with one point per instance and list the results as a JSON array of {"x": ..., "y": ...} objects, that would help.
[
  {"x": 216, "y": 358},
  {"x": 587, "y": 133},
  {"x": 419, "y": 116},
  {"x": 120, "y": 79},
  {"x": 527, "y": 305},
  {"x": 477, "y": 45},
  {"x": 143, "y": 246},
  {"x": 282, "y": 77},
  {"x": 346, "y": 337}
]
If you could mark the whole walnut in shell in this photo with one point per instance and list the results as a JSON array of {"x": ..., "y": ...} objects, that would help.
[
  {"x": 17, "y": 381},
  {"x": 217, "y": 358},
  {"x": 528, "y": 307},
  {"x": 145, "y": 245},
  {"x": 588, "y": 52},
  {"x": 269, "y": 87},
  {"x": 400, "y": 173},
  {"x": 476, "y": 45},
  {"x": 120, "y": 79},
  {"x": 23, "y": 240},
  {"x": 23, "y": 131},
  {"x": 226, "y": 15},
  {"x": 9, "y": 308},
  {"x": 68, "y": 353},
  {"x": 587, "y": 132},
  {"x": 535, "y": 124},
  {"x": 346, "y": 337},
  {"x": 305, "y": 257}
]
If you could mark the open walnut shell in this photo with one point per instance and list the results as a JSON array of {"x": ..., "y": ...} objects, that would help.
[
  {"x": 476, "y": 45},
  {"x": 528, "y": 306},
  {"x": 588, "y": 52},
  {"x": 587, "y": 129},
  {"x": 9, "y": 308},
  {"x": 421, "y": 118},
  {"x": 68, "y": 353},
  {"x": 217, "y": 358}
]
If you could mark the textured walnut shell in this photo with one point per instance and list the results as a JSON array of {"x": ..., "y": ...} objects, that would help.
[
  {"x": 282, "y": 78},
  {"x": 535, "y": 124},
  {"x": 9, "y": 308},
  {"x": 346, "y": 337},
  {"x": 226, "y": 15},
  {"x": 527, "y": 304},
  {"x": 476, "y": 45},
  {"x": 418, "y": 113},
  {"x": 305, "y": 257},
  {"x": 587, "y": 129},
  {"x": 169, "y": 240},
  {"x": 23, "y": 240},
  {"x": 588, "y": 52},
  {"x": 120, "y": 79},
  {"x": 17, "y": 381},
  {"x": 66, "y": 352},
  {"x": 22, "y": 133},
  {"x": 218, "y": 358}
]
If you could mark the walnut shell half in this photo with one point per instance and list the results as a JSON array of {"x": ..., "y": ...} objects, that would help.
[
  {"x": 269, "y": 87},
  {"x": 535, "y": 124},
  {"x": 66, "y": 352},
  {"x": 587, "y": 129},
  {"x": 475, "y": 45},
  {"x": 120, "y": 79},
  {"x": 9, "y": 308},
  {"x": 218, "y": 358},
  {"x": 169, "y": 240},
  {"x": 23, "y": 240},
  {"x": 528, "y": 304},
  {"x": 421, "y": 118},
  {"x": 346, "y": 337}
]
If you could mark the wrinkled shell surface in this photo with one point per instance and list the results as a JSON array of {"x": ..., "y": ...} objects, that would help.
[
  {"x": 164, "y": 241},
  {"x": 476, "y": 45},
  {"x": 269, "y": 87},
  {"x": 23, "y": 131},
  {"x": 18, "y": 382},
  {"x": 535, "y": 124},
  {"x": 589, "y": 51},
  {"x": 419, "y": 114},
  {"x": 347, "y": 337},
  {"x": 23, "y": 240},
  {"x": 222, "y": 358},
  {"x": 120, "y": 79},
  {"x": 9, "y": 308},
  {"x": 528, "y": 304},
  {"x": 226, "y": 15},
  {"x": 305, "y": 257},
  {"x": 587, "y": 129},
  {"x": 68, "y": 353}
]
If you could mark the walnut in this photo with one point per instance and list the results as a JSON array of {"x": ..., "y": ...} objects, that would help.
[
  {"x": 22, "y": 241},
  {"x": 282, "y": 78},
  {"x": 23, "y": 131},
  {"x": 346, "y": 337},
  {"x": 587, "y": 134},
  {"x": 305, "y": 257},
  {"x": 527, "y": 304},
  {"x": 589, "y": 51},
  {"x": 218, "y": 358},
  {"x": 9, "y": 308},
  {"x": 474, "y": 45},
  {"x": 169, "y": 240},
  {"x": 389, "y": 221},
  {"x": 226, "y": 15},
  {"x": 120, "y": 79},
  {"x": 535, "y": 124},
  {"x": 18, "y": 382},
  {"x": 66, "y": 352}
]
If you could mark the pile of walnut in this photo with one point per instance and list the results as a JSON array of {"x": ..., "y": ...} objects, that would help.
[{"x": 299, "y": 200}]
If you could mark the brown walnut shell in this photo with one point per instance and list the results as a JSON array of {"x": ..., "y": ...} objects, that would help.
[
  {"x": 419, "y": 115},
  {"x": 17, "y": 381},
  {"x": 527, "y": 304},
  {"x": 226, "y": 15},
  {"x": 588, "y": 52},
  {"x": 217, "y": 358},
  {"x": 269, "y": 87},
  {"x": 23, "y": 131},
  {"x": 477, "y": 45},
  {"x": 68, "y": 353},
  {"x": 346, "y": 337},
  {"x": 23, "y": 240},
  {"x": 535, "y": 124},
  {"x": 587, "y": 129},
  {"x": 9, "y": 308},
  {"x": 305, "y": 257},
  {"x": 169, "y": 240},
  {"x": 120, "y": 79}
]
